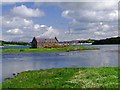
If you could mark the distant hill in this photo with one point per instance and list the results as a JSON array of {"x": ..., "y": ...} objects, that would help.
[{"x": 115, "y": 40}]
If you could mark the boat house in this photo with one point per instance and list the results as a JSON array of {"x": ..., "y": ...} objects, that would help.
[{"x": 38, "y": 42}]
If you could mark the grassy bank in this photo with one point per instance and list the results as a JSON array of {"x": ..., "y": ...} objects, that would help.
[
  {"x": 104, "y": 77},
  {"x": 64, "y": 49},
  {"x": 12, "y": 45}
]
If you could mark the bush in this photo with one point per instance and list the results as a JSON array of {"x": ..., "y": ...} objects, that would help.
[{"x": 21, "y": 50}]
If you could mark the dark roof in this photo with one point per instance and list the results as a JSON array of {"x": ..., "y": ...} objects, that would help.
[{"x": 39, "y": 39}]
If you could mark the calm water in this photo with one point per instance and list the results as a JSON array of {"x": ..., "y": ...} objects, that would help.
[{"x": 18, "y": 62}]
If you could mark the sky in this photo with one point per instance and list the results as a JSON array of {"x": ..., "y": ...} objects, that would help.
[{"x": 21, "y": 21}]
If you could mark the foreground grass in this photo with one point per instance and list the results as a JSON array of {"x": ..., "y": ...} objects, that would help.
[
  {"x": 64, "y": 49},
  {"x": 0, "y": 86},
  {"x": 104, "y": 77}
]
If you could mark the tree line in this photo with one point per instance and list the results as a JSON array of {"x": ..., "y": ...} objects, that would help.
[
  {"x": 13, "y": 43},
  {"x": 87, "y": 41},
  {"x": 115, "y": 40}
]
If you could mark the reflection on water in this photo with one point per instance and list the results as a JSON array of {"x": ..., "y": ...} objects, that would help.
[{"x": 18, "y": 62}]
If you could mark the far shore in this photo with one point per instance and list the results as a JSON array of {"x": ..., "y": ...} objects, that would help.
[
  {"x": 13, "y": 45},
  {"x": 62, "y": 49}
]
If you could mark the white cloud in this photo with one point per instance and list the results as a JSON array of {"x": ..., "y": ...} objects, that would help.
[
  {"x": 90, "y": 11},
  {"x": 43, "y": 26},
  {"x": 99, "y": 33},
  {"x": 15, "y": 31},
  {"x": 24, "y": 11},
  {"x": 16, "y": 28},
  {"x": 50, "y": 33},
  {"x": 91, "y": 20},
  {"x": 15, "y": 22},
  {"x": 68, "y": 13},
  {"x": 101, "y": 5},
  {"x": 91, "y": 15},
  {"x": 36, "y": 26}
]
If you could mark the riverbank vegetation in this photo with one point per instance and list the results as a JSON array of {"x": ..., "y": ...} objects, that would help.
[
  {"x": 103, "y": 77},
  {"x": 12, "y": 43},
  {"x": 115, "y": 40},
  {"x": 62, "y": 49}
]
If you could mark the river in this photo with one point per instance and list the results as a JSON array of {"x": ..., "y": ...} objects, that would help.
[{"x": 107, "y": 55}]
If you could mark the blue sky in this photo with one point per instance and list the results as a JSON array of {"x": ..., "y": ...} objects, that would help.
[{"x": 67, "y": 21}]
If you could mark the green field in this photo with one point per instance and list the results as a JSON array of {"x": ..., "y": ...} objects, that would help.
[
  {"x": 63, "y": 49},
  {"x": 103, "y": 77}
]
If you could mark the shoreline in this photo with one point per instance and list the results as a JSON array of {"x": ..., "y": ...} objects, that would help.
[
  {"x": 63, "y": 49},
  {"x": 99, "y": 77}
]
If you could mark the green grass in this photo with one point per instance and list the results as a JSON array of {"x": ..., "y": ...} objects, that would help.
[
  {"x": 64, "y": 49},
  {"x": 0, "y": 86},
  {"x": 11, "y": 45},
  {"x": 104, "y": 77}
]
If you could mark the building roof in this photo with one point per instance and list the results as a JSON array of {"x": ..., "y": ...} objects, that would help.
[{"x": 39, "y": 39}]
